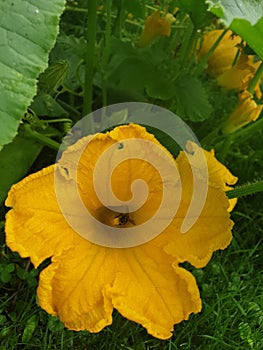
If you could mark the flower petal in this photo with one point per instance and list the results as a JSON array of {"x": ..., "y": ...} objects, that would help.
[
  {"x": 83, "y": 285},
  {"x": 74, "y": 286},
  {"x": 238, "y": 76},
  {"x": 35, "y": 227},
  {"x": 219, "y": 175},
  {"x": 149, "y": 291},
  {"x": 212, "y": 230},
  {"x": 224, "y": 54}
]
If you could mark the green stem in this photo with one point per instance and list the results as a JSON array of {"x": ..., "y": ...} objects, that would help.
[
  {"x": 257, "y": 76},
  {"x": 202, "y": 64},
  {"x": 76, "y": 9},
  {"x": 210, "y": 138},
  {"x": 74, "y": 113},
  {"x": 106, "y": 54},
  {"x": 187, "y": 43},
  {"x": 245, "y": 190},
  {"x": 223, "y": 151},
  {"x": 40, "y": 137},
  {"x": 107, "y": 33},
  {"x": 90, "y": 56},
  {"x": 119, "y": 20},
  {"x": 236, "y": 58},
  {"x": 244, "y": 133},
  {"x": 58, "y": 120}
]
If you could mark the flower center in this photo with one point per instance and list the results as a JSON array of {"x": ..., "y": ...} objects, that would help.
[
  {"x": 122, "y": 219},
  {"x": 114, "y": 218}
]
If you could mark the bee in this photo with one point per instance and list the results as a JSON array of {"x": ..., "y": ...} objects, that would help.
[
  {"x": 114, "y": 218},
  {"x": 121, "y": 219}
]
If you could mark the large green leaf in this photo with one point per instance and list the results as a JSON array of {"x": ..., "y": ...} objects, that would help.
[
  {"x": 244, "y": 17},
  {"x": 191, "y": 99},
  {"x": 251, "y": 10},
  {"x": 139, "y": 75},
  {"x": 15, "y": 160},
  {"x": 28, "y": 30},
  {"x": 138, "y": 72},
  {"x": 197, "y": 11}
]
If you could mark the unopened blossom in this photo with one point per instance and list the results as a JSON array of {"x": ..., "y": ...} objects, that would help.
[
  {"x": 246, "y": 111},
  {"x": 154, "y": 27},
  {"x": 239, "y": 76}
]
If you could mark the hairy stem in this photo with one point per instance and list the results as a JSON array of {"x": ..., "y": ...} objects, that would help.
[
  {"x": 41, "y": 138},
  {"x": 245, "y": 190}
]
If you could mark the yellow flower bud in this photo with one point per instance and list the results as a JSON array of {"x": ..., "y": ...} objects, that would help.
[
  {"x": 238, "y": 76},
  {"x": 246, "y": 111},
  {"x": 154, "y": 27}
]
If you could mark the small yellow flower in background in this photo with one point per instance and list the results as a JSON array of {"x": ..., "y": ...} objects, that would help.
[
  {"x": 86, "y": 281},
  {"x": 224, "y": 54},
  {"x": 221, "y": 63},
  {"x": 154, "y": 27},
  {"x": 245, "y": 112},
  {"x": 239, "y": 76}
]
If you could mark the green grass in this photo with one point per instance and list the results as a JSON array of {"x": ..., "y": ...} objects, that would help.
[{"x": 230, "y": 286}]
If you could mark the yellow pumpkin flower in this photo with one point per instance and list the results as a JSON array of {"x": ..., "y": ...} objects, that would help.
[
  {"x": 85, "y": 281},
  {"x": 154, "y": 27},
  {"x": 220, "y": 64},
  {"x": 245, "y": 112},
  {"x": 224, "y": 55},
  {"x": 239, "y": 76}
]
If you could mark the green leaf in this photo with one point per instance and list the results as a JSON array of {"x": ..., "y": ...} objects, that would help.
[
  {"x": 244, "y": 17},
  {"x": 251, "y": 10},
  {"x": 132, "y": 72},
  {"x": 253, "y": 35},
  {"x": 22, "y": 274},
  {"x": 158, "y": 86},
  {"x": 53, "y": 77},
  {"x": 5, "y": 272},
  {"x": 197, "y": 11},
  {"x": 192, "y": 99},
  {"x": 54, "y": 324},
  {"x": 3, "y": 320},
  {"x": 139, "y": 75},
  {"x": 30, "y": 328},
  {"x": 5, "y": 276},
  {"x": 27, "y": 33},
  {"x": 15, "y": 160},
  {"x": 10, "y": 267}
]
